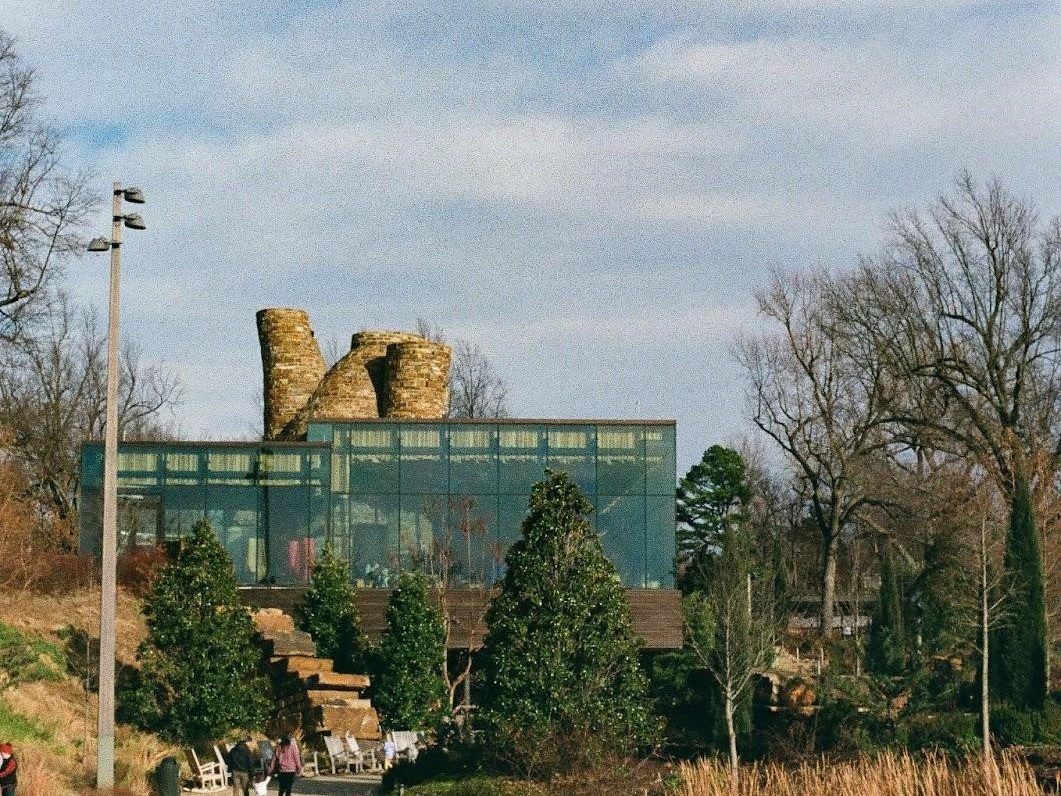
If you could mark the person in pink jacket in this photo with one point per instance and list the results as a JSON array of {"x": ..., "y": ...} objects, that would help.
[{"x": 287, "y": 764}]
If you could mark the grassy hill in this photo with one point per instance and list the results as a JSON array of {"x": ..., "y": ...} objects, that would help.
[{"x": 47, "y": 656}]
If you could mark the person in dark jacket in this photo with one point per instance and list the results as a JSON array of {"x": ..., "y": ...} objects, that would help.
[
  {"x": 241, "y": 765},
  {"x": 8, "y": 770}
]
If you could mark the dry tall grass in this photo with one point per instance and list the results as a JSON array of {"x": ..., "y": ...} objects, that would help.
[{"x": 888, "y": 775}]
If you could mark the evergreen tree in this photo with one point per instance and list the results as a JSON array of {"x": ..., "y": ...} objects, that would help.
[
  {"x": 1018, "y": 650},
  {"x": 710, "y": 500},
  {"x": 886, "y": 651},
  {"x": 410, "y": 692},
  {"x": 561, "y": 678},
  {"x": 327, "y": 613},
  {"x": 199, "y": 669}
]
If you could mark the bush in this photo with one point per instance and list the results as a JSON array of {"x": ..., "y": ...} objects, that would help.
[
  {"x": 410, "y": 693},
  {"x": 562, "y": 682},
  {"x": 954, "y": 734},
  {"x": 327, "y": 613},
  {"x": 1013, "y": 726},
  {"x": 199, "y": 669},
  {"x": 137, "y": 568}
]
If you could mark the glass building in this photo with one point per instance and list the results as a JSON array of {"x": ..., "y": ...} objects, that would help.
[{"x": 395, "y": 495}]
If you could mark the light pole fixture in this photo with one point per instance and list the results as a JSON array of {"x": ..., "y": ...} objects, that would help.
[{"x": 109, "y": 543}]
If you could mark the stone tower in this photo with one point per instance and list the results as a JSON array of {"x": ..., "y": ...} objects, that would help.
[
  {"x": 292, "y": 365},
  {"x": 385, "y": 374}
]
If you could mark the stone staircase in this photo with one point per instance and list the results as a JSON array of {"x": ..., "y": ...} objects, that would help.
[{"x": 311, "y": 698}]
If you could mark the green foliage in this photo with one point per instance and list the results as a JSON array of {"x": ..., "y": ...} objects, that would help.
[
  {"x": 14, "y": 727},
  {"x": 410, "y": 693},
  {"x": 1014, "y": 726},
  {"x": 955, "y": 734},
  {"x": 710, "y": 500},
  {"x": 26, "y": 658},
  {"x": 886, "y": 651},
  {"x": 1018, "y": 649},
  {"x": 199, "y": 669},
  {"x": 327, "y": 613},
  {"x": 944, "y": 623},
  {"x": 561, "y": 678}
]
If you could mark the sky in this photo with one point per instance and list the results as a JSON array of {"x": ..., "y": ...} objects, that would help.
[{"x": 590, "y": 191}]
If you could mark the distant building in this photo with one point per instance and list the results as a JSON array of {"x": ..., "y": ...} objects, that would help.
[{"x": 389, "y": 491}]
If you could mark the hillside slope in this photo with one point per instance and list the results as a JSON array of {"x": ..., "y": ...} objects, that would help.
[{"x": 48, "y": 645}]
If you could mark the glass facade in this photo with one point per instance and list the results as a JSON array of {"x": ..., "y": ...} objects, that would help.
[{"x": 394, "y": 495}]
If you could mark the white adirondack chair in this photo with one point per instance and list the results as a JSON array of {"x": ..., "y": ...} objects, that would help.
[
  {"x": 337, "y": 755},
  {"x": 208, "y": 775},
  {"x": 359, "y": 755}
]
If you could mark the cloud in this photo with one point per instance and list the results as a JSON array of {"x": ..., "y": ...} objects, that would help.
[{"x": 589, "y": 190}]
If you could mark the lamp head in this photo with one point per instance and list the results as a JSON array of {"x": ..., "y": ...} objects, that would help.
[
  {"x": 99, "y": 245},
  {"x": 134, "y": 221},
  {"x": 134, "y": 195}
]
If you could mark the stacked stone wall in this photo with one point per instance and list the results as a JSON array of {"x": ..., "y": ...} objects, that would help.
[
  {"x": 292, "y": 365},
  {"x": 385, "y": 374}
]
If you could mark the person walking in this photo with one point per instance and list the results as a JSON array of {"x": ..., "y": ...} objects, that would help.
[
  {"x": 241, "y": 765},
  {"x": 287, "y": 764},
  {"x": 8, "y": 770}
]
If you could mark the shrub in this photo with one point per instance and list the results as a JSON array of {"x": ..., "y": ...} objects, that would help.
[
  {"x": 561, "y": 679},
  {"x": 327, "y": 613},
  {"x": 410, "y": 692},
  {"x": 137, "y": 568},
  {"x": 1016, "y": 727},
  {"x": 198, "y": 676},
  {"x": 954, "y": 734}
]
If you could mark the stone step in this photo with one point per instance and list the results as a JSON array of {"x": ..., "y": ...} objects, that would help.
[
  {"x": 303, "y": 665},
  {"x": 270, "y": 621},
  {"x": 359, "y": 722},
  {"x": 341, "y": 699},
  {"x": 338, "y": 682},
  {"x": 291, "y": 644}
]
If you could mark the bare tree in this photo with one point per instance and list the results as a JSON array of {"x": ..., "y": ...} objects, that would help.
[
  {"x": 476, "y": 389},
  {"x": 42, "y": 205},
  {"x": 53, "y": 395},
  {"x": 729, "y": 629},
  {"x": 822, "y": 398},
  {"x": 964, "y": 305}
]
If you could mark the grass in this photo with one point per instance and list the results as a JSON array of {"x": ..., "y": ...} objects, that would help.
[
  {"x": 28, "y": 658},
  {"x": 888, "y": 775},
  {"x": 45, "y": 711},
  {"x": 16, "y": 728}
]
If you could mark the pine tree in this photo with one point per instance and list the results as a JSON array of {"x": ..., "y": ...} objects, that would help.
[
  {"x": 1018, "y": 650},
  {"x": 710, "y": 500},
  {"x": 410, "y": 692},
  {"x": 886, "y": 651},
  {"x": 199, "y": 669},
  {"x": 327, "y": 613},
  {"x": 561, "y": 679}
]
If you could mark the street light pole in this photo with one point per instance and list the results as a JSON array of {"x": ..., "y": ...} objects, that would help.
[{"x": 109, "y": 549}]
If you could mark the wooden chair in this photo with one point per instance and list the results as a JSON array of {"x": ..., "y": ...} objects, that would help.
[
  {"x": 359, "y": 755},
  {"x": 207, "y": 776},
  {"x": 337, "y": 755},
  {"x": 226, "y": 775}
]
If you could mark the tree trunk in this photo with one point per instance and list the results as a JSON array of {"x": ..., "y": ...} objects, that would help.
[
  {"x": 827, "y": 613},
  {"x": 734, "y": 762},
  {"x": 985, "y": 690}
]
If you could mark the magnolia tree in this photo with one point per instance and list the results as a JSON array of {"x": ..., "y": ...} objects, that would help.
[
  {"x": 199, "y": 671},
  {"x": 328, "y": 614},
  {"x": 561, "y": 679}
]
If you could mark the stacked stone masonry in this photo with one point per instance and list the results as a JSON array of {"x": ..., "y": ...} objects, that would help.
[
  {"x": 311, "y": 699},
  {"x": 385, "y": 374}
]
